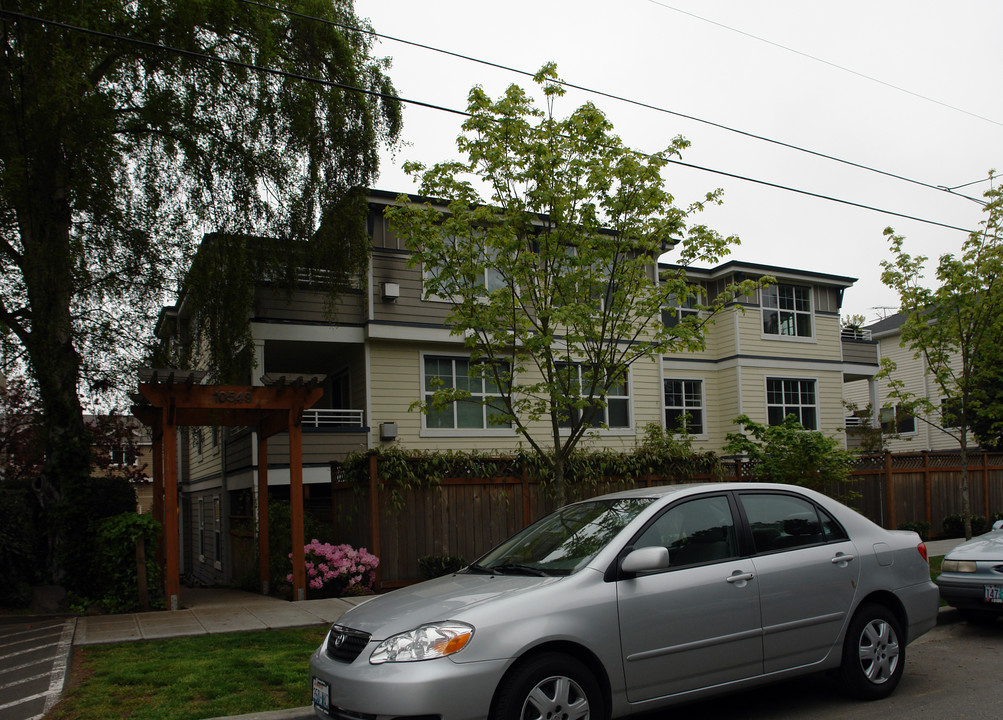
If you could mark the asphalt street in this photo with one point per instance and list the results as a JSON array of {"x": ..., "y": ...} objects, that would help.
[{"x": 33, "y": 666}]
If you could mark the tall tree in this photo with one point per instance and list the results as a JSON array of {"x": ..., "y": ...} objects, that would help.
[
  {"x": 953, "y": 327},
  {"x": 553, "y": 276},
  {"x": 128, "y": 127}
]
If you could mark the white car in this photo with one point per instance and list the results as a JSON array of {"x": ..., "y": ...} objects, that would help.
[
  {"x": 971, "y": 576},
  {"x": 635, "y": 601}
]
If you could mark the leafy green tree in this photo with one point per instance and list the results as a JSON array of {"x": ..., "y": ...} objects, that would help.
[
  {"x": 115, "y": 152},
  {"x": 552, "y": 276},
  {"x": 787, "y": 453},
  {"x": 953, "y": 328}
]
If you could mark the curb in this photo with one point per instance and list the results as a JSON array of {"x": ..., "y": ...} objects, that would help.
[{"x": 301, "y": 713}]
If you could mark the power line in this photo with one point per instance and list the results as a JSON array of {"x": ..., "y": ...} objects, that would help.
[
  {"x": 419, "y": 103},
  {"x": 623, "y": 99},
  {"x": 827, "y": 62}
]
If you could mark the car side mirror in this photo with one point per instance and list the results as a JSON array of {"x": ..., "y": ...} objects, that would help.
[
  {"x": 646, "y": 559},
  {"x": 998, "y": 525}
]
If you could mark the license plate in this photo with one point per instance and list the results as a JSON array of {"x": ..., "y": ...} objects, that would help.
[
  {"x": 994, "y": 593},
  {"x": 321, "y": 694}
]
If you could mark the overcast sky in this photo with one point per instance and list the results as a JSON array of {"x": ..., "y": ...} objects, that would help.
[{"x": 907, "y": 87}]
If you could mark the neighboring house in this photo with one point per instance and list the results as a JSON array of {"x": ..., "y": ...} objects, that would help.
[
  {"x": 124, "y": 447},
  {"x": 386, "y": 344},
  {"x": 903, "y": 432}
]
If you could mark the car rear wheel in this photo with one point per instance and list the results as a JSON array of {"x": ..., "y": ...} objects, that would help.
[
  {"x": 873, "y": 653},
  {"x": 552, "y": 686}
]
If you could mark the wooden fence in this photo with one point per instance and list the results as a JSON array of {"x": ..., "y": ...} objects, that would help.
[{"x": 466, "y": 517}]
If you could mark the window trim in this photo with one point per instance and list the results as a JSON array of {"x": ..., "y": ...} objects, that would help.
[
  {"x": 432, "y": 432},
  {"x": 784, "y": 378}
]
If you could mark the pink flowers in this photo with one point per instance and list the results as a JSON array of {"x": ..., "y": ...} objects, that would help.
[{"x": 338, "y": 566}]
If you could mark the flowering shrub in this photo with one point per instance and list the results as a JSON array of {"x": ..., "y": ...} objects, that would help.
[{"x": 338, "y": 567}]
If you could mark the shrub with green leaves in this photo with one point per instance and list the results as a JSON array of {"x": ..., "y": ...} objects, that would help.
[{"x": 116, "y": 564}]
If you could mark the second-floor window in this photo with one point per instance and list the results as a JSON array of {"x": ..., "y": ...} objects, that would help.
[
  {"x": 480, "y": 411},
  {"x": 792, "y": 396},
  {"x": 684, "y": 411},
  {"x": 787, "y": 310},
  {"x": 675, "y": 310}
]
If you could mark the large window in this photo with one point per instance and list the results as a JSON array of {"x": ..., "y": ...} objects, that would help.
[
  {"x": 787, "y": 310},
  {"x": 480, "y": 411},
  {"x": 792, "y": 396},
  {"x": 486, "y": 277},
  {"x": 616, "y": 414},
  {"x": 684, "y": 409}
]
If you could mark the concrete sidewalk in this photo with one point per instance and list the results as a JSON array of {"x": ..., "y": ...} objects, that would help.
[{"x": 211, "y": 610}]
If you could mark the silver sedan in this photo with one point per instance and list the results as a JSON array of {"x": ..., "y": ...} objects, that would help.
[
  {"x": 635, "y": 601},
  {"x": 971, "y": 577}
]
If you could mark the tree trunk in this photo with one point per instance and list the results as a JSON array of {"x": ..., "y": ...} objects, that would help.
[
  {"x": 966, "y": 503},
  {"x": 48, "y": 266}
]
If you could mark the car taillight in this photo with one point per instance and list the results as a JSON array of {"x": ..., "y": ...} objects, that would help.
[{"x": 922, "y": 551}]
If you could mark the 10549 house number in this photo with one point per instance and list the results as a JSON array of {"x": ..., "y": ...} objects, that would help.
[{"x": 232, "y": 397}]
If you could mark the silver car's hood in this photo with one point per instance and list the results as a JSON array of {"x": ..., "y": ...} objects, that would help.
[
  {"x": 444, "y": 598},
  {"x": 983, "y": 547}
]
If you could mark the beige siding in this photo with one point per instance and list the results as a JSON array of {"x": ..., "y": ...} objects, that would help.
[{"x": 396, "y": 384}]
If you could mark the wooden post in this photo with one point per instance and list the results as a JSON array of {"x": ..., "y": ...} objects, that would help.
[
  {"x": 264, "y": 571},
  {"x": 527, "y": 506},
  {"x": 889, "y": 492},
  {"x": 296, "y": 503},
  {"x": 172, "y": 575},
  {"x": 144, "y": 595},
  {"x": 374, "y": 513},
  {"x": 985, "y": 490},
  {"x": 927, "y": 491}
]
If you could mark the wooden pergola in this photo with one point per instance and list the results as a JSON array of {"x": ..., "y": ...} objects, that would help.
[{"x": 172, "y": 398}]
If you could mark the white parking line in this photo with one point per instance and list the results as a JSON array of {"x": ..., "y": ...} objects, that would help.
[{"x": 58, "y": 677}]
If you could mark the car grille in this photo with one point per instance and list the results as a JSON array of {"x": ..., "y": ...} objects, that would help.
[{"x": 345, "y": 644}]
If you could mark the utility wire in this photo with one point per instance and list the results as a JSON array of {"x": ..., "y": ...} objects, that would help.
[
  {"x": 419, "y": 103},
  {"x": 827, "y": 62},
  {"x": 629, "y": 101}
]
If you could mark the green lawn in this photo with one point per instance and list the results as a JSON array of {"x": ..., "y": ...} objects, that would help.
[{"x": 191, "y": 678}]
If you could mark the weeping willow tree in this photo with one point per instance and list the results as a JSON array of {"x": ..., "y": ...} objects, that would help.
[{"x": 129, "y": 127}]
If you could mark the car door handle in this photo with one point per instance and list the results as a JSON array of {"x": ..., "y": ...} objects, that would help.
[
  {"x": 739, "y": 577},
  {"x": 842, "y": 559}
]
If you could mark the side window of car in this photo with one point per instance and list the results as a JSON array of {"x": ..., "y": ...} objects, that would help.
[
  {"x": 780, "y": 522},
  {"x": 696, "y": 531}
]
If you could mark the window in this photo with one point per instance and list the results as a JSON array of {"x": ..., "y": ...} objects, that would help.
[
  {"x": 697, "y": 531},
  {"x": 486, "y": 276},
  {"x": 896, "y": 420},
  {"x": 477, "y": 412},
  {"x": 201, "y": 520},
  {"x": 791, "y": 396},
  {"x": 787, "y": 310},
  {"x": 616, "y": 394},
  {"x": 781, "y": 522},
  {"x": 675, "y": 310},
  {"x": 950, "y": 412},
  {"x": 684, "y": 406},
  {"x": 217, "y": 531}
]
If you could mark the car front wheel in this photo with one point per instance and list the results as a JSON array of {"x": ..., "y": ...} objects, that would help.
[
  {"x": 553, "y": 686},
  {"x": 873, "y": 653}
]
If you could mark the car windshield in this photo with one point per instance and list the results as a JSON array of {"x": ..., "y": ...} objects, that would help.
[{"x": 564, "y": 541}]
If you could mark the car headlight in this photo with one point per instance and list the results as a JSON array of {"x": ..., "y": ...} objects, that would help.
[
  {"x": 425, "y": 643},
  {"x": 959, "y": 566}
]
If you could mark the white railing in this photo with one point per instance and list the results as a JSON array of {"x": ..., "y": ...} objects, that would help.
[
  {"x": 333, "y": 418},
  {"x": 849, "y": 333}
]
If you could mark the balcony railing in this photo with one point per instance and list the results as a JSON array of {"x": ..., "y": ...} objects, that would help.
[
  {"x": 849, "y": 333},
  {"x": 335, "y": 418}
]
